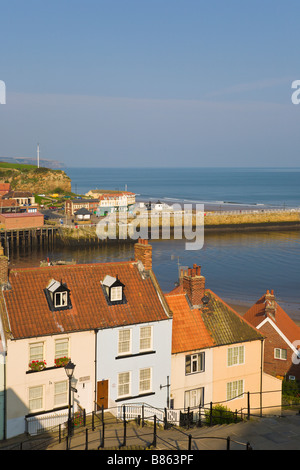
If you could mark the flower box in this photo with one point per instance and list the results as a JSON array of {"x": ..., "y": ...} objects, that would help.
[
  {"x": 37, "y": 365},
  {"x": 61, "y": 361}
]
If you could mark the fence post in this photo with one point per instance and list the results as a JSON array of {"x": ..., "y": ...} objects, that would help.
[
  {"x": 59, "y": 433},
  {"x": 102, "y": 413},
  {"x": 101, "y": 445},
  {"x": 199, "y": 420},
  {"x": 210, "y": 414},
  {"x": 86, "y": 439},
  {"x": 248, "y": 400},
  {"x": 84, "y": 418},
  {"x": 93, "y": 421},
  {"x": 228, "y": 443},
  {"x": 143, "y": 415},
  {"x": 154, "y": 432},
  {"x": 188, "y": 417},
  {"x": 190, "y": 442},
  {"x": 248, "y": 447},
  {"x": 165, "y": 420}
]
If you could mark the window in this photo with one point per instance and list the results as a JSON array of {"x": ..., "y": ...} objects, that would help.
[
  {"x": 61, "y": 299},
  {"x": 61, "y": 348},
  {"x": 113, "y": 289},
  {"x": 60, "y": 393},
  {"x": 194, "y": 398},
  {"x": 145, "y": 380},
  {"x": 58, "y": 295},
  {"x": 194, "y": 363},
  {"x": 235, "y": 389},
  {"x": 280, "y": 354},
  {"x": 123, "y": 384},
  {"x": 116, "y": 293},
  {"x": 36, "y": 398},
  {"x": 124, "y": 345},
  {"x": 36, "y": 352},
  {"x": 145, "y": 338},
  {"x": 235, "y": 355}
]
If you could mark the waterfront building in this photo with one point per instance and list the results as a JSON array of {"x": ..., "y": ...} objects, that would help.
[
  {"x": 24, "y": 198},
  {"x": 112, "y": 201},
  {"x": 110, "y": 319},
  {"x": 21, "y": 220},
  {"x": 282, "y": 337},
  {"x": 216, "y": 354},
  {"x": 73, "y": 205}
]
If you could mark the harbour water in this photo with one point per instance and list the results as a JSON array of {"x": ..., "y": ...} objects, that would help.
[{"x": 238, "y": 266}]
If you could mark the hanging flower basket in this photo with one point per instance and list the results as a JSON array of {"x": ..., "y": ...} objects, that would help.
[
  {"x": 37, "y": 365},
  {"x": 61, "y": 361}
]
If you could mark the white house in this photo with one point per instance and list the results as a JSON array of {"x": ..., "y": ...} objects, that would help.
[{"x": 111, "y": 320}]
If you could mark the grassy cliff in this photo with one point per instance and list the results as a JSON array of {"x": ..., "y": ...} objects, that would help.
[{"x": 31, "y": 178}]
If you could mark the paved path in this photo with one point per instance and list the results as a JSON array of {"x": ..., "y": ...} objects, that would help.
[
  {"x": 282, "y": 433},
  {"x": 269, "y": 433}
]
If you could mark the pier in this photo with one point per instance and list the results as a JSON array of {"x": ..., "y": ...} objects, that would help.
[{"x": 15, "y": 239}]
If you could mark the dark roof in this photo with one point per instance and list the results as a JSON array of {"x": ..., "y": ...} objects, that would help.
[
  {"x": 28, "y": 310},
  {"x": 215, "y": 324},
  {"x": 83, "y": 201},
  {"x": 12, "y": 194},
  {"x": 82, "y": 211}
]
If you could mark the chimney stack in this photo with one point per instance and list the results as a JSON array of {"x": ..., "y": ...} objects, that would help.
[
  {"x": 270, "y": 304},
  {"x": 143, "y": 253},
  {"x": 194, "y": 285},
  {"x": 3, "y": 267}
]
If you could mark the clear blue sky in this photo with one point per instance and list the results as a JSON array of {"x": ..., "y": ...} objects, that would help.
[{"x": 151, "y": 82}]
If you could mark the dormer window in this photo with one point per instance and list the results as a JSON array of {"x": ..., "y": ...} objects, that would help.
[
  {"x": 58, "y": 295},
  {"x": 114, "y": 289}
]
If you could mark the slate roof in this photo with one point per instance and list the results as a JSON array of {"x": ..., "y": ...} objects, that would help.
[
  {"x": 29, "y": 314},
  {"x": 215, "y": 324}
]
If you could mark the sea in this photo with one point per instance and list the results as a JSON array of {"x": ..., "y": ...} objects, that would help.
[{"x": 238, "y": 266}]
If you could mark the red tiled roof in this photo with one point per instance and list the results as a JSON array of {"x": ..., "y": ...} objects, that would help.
[
  {"x": 214, "y": 324},
  {"x": 188, "y": 332},
  {"x": 30, "y": 315},
  {"x": 256, "y": 314}
]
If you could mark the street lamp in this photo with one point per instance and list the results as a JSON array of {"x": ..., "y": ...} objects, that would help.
[{"x": 69, "y": 368}]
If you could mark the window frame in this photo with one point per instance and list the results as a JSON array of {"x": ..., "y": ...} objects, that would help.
[
  {"x": 281, "y": 350},
  {"x": 240, "y": 356},
  {"x": 150, "y": 348},
  {"x": 149, "y": 389},
  {"x": 124, "y": 395},
  {"x": 56, "y": 393},
  {"x": 195, "y": 359},
  {"x": 187, "y": 402},
  {"x": 30, "y": 389},
  {"x": 36, "y": 357},
  {"x": 124, "y": 353},
  {"x": 59, "y": 305},
  {"x": 62, "y": 354},
  {"x": 235, "y": 385}
]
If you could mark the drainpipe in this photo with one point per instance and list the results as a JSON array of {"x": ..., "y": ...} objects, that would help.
[
  {"x": 261, "y": 373},
  {"x": 95, "y": 385}
]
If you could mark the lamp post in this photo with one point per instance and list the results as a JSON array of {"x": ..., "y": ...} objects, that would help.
[
  {"x": 168, "y": 394},
  {"x": 69, "y": 368}
]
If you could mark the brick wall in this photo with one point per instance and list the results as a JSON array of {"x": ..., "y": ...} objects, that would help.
[
  {"x": 12, "y": 223},
  {"x": 272, "y": 366}
]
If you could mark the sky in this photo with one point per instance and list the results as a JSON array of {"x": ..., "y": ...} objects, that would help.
[{"x": 151, "y": 83}]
